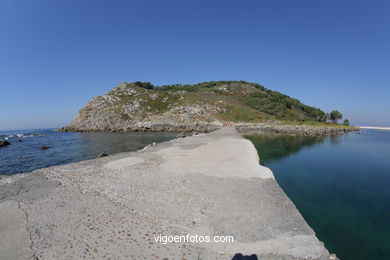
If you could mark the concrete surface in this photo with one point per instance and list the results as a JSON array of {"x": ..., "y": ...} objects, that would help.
[
  {"x": 112, "y": 207},
  {"x": 15, "y": 243}
]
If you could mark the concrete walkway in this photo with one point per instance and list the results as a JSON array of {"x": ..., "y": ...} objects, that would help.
[{"x": 113, "y": 207}]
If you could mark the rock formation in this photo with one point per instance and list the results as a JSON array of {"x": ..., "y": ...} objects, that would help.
[{"x": 203, "y": 107}]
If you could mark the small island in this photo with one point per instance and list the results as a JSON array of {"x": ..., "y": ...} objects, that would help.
[{"x": 203, "y": 107}]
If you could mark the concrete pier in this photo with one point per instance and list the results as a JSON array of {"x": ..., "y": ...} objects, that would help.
[{"x": 114, "y": 207}]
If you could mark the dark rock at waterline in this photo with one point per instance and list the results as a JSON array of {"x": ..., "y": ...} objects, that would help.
[
  {"x": 103, "y": 154},
  {"x": 44, "y": 147},
  {"x": 4, "y": 143},
  {"x": 181, "y": 135}
]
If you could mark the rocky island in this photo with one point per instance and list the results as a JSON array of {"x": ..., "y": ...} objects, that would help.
[{"x": 202, "y": 107}]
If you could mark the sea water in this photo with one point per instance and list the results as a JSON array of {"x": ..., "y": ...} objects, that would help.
[
  {"x": 24, "y": 153},
  {"x": 341, "y": 186}
]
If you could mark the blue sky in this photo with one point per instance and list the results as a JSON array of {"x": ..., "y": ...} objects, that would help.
[{"x": 56, "y": 55}]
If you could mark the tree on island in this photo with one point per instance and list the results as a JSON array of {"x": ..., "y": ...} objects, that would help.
[
  {"x": 346, "y": 122},
  {"x": 145, "y": 85},
  {"x": 335, "y": 116}
]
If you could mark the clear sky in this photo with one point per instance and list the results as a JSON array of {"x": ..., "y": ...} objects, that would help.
[{"x": 56, "y": 55}]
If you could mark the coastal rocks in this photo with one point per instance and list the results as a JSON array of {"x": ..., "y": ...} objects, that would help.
[
  {"x": 154, "y": 127},
  {"x": 304, "y": 130},
  {"x": 128, "y": 107},
  {"x": 4, "y": 143}
]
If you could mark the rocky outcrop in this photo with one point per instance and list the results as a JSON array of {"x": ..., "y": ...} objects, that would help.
[
  {"x": 130, "y": 108},
  {"x": 4, "y": 143},
  {"x": 305, "y": 130}
]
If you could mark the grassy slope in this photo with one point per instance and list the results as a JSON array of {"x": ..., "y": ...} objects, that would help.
[
  {"x": 249, "y": 102},
  {"x": 239, "y": 102}
]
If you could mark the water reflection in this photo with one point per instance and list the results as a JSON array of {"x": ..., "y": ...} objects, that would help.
[
  {"x": 340, "y": 185},
  {"x": 95, "y": 143},
  {"x": 273, "y": 147},
  {"x": 335, "y": 140}
]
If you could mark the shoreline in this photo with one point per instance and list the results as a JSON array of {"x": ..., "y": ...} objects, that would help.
[
  {"x": 205, "y": 184},
  {"x": 245, "y": 128}
]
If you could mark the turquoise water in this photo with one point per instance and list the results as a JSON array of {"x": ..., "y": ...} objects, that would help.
[
  {"x": 341, "y": 185},
  {"x": 24, "y": 153}
]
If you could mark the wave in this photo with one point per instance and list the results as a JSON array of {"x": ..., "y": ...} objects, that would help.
[{"x": 6, "y": 137}]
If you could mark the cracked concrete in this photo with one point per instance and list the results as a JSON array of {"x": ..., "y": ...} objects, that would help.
[
  {"x": 15, "y": 242},
  {"x": 112, "y": 207}
]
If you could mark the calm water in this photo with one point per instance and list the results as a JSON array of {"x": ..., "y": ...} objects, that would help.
[
  {"x": 341, "y": 185},
  {"x": 24, "y": 153}
]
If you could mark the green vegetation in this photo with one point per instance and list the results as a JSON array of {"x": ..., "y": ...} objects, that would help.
[
  {"x": 316, "y": 123},
  {"x": 160, "y": 103},
  {"x": 145, "y": 85},
  {"x": 282, "y": 106},
  {"x": 335, "y": 116},
  {"x": 237, "y": 100},
  {"x": 239, "y": 113},
  {"x": 346, "y": 122},
  {"x": 209, "y": 85},
  {"x": 271, "y": 103}
]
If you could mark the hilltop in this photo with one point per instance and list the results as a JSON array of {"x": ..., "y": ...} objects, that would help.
[{"x": 140, "y": 106}]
